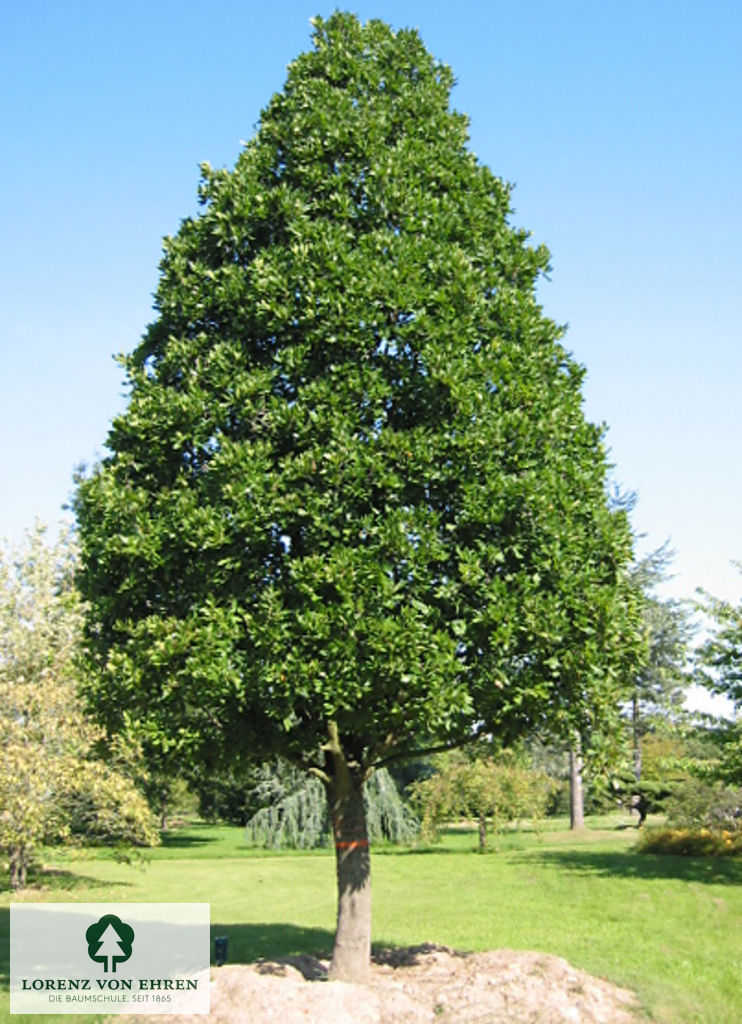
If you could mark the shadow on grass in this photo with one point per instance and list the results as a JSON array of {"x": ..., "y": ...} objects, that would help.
[
  {"x": 271, "y": 942},
  {"x": 184, "y": 840},
  {"x": 630, "y": 864},
  {"x": 249, "y": 942},
  {"x": 51, "y": 880},
  {"x": 418, "y": 851}
]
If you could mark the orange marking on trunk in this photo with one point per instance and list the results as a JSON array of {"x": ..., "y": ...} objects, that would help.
[{"x": 355, "y": 844}]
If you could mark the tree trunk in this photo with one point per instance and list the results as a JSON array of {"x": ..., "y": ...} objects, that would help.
[
  {"x": 18, "y": 867},
  {"x": 482, "y": 833},
  {"x": 576, "y": 795},
  {"x": 636, "y": 738},
  {"x": 642, "y": 807},
  {"x": 351, "y": 954}
]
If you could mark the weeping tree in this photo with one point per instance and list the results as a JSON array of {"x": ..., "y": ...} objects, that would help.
[
  {"x": 295, "y": 812},
  {"x": 353, "y": 511}
]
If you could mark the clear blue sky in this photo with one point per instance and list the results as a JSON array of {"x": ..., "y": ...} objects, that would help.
[{"x": 619, "y": 122}]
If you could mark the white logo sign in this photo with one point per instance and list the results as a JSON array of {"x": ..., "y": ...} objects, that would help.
[{"x": 109, "y": 958}]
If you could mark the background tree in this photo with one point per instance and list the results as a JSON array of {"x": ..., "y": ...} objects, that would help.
[
  {"x": 576, "y": 785},
  {"x": 656, "y": 686},
  {"x": 728, "y": 766},
  {"x": 663, "y": 772},
  {"x": 353, "y": 510},
  {"x": 227, "y": 794},
  {"x": 661, "y": 680},
  {"x": 719, "y": 669},
  {"x": 293, "y": 809},
  {"x": 720, "y": 656},
  {"x": 51, "y": 784},
  {"x": 491, "y": 790}
]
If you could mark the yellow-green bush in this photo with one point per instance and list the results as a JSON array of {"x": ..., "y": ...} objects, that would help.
[{"x": 691, "y": 842}]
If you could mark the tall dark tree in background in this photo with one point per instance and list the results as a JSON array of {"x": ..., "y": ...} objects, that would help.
[
  {"x": 576, "y": 785},
  {"x": 353, "y": 510},
  {"x": 720, "y": 670},
  {"x": 656, "y": 687},
  {"x": 660, "y": 682},
  {"x": 721, "y": 654}
]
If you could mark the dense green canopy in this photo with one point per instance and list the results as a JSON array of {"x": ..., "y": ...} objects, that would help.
[
  {"x": 353, "y": 509},
  {"x": 353, "y": 483}
]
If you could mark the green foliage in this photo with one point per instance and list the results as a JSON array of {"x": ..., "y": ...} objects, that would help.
[
  {"x": 665, "y": 768},
  {"x": 622, "y": 763},
  {"x": 700, "y": 804},
  {"x": 690, "y": 842},
  {"x": 629, "y": 768},
  {"x": 712, "y": 750},
  {"x": 295, "y": 815},
  {"x": 226, "y": 794},
  {"x": 662, "y": 677},
  {"x": 704, "y": 819},
  {"x": 500, "y": 790},
  {"x": 353, "y": 483},
  {"x": 720, "y": 657},
  {"x": 388, "y": 817},
  {"x": 729, "y": 765},
  {"x": 102, "y": 807},
  {"x": 52, "y": 786}
]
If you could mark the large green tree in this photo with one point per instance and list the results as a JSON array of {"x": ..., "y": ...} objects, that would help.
[{"x": 353, "y": 509}]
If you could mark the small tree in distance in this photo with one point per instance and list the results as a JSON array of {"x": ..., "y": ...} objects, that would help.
[
  {"x": 497, "y": 790},
  {"x": 353, "y": 511},
  {"x": 52, "y": 785}
]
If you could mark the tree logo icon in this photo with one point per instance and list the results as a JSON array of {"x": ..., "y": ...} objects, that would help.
[{"x": 109, "y": 941}]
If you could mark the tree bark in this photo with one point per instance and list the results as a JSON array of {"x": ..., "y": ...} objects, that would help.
[
  {"x": 351, "y": 953},
  {"x": 576, "y": 793},
  {"x": 636, "y": 738},
  {"x": 18, "y": 867},
  {"x": 482, "y": 833},
  {"x": 642, "y": 807}
]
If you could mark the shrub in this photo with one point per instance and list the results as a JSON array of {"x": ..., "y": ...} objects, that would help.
[
  {"x": 498, "y": 791},
  {"x": 703, "y": 820},
  {"x": 703, "y": 805},
  {"x": 691, "y": 842}
]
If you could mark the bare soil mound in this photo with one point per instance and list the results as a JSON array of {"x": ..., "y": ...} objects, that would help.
[{"x": 417, "y": 985}]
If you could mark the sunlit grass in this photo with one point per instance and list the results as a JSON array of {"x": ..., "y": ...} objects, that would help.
[{"x": 668, "y": 927}]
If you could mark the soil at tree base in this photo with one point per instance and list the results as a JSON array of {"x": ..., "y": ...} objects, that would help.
[{"x": 416, "y": 985}]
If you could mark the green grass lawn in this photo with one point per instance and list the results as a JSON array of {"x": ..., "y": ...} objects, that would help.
[{"x": 668, "y": 927}]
